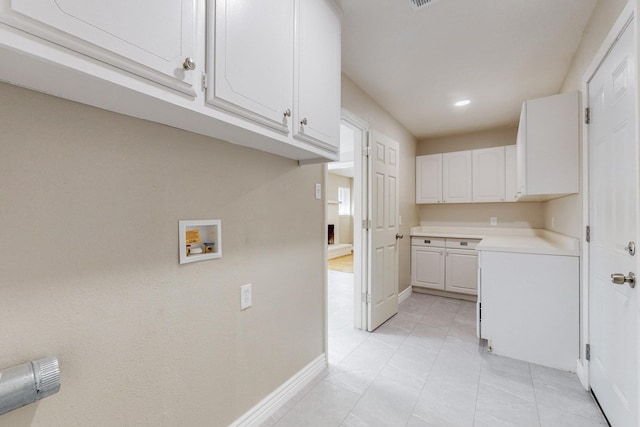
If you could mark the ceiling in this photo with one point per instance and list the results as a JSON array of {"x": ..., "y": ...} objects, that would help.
[{"x": 496, "y": 53}]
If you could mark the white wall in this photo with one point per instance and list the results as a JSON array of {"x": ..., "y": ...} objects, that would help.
[
  {"x": 356, "y": 101},
  {"x": 90, "y": 202},
  {"x": 343, "y": 223}
]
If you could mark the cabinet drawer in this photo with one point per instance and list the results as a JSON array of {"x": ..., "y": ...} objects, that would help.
[
  {"x": 436, "y": 242},
  {"x": 462, "y": 243}
]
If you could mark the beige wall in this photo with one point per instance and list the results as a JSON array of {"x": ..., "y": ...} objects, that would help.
[
  {"x": 356, "y": 101},
  {"x": 509, "y": 215},
  {"x": 517, "y": 215},
  {"x": 468, "y": 141},
  {"x": 90, "y": 202},
  {"x": 566, "y": 212},
  {"x": 343, "y": 223}
]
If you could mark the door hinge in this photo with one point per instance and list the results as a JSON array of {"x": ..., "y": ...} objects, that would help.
[
  {"x": 587, "y": 351},
  {"x": 366, "y": 224},
  {"x": 588, "y": 233},
  {"x": 366, "y": 298},
  {"x": 587, "y": 115},
  {"x": 366, "y": 150},
  {"x": 204, "y": 81}
]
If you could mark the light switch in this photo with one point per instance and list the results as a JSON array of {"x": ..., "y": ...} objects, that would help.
[
  {"x": 245, "y": 296},
  {"x": 318, "y": 191}
]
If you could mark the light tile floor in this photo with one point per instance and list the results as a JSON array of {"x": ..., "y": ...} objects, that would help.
[{"x": 425, "y": 367}]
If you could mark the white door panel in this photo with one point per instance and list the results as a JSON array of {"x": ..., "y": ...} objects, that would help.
[
  {"x": 613, "y": 197},
  {"x": 383, "y": 280}
]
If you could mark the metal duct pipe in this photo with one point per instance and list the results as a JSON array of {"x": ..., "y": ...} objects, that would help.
[{"x": 24, "y": 384}]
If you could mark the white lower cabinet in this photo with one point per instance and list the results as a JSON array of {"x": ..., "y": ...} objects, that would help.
[
  {"x": 462, "y": 271},
  {"x": 444, "y": 264},
  {"x": 428, "y": 267},
  {"x": 530, "y": 307}
]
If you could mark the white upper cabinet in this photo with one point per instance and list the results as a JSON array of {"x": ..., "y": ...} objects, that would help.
[
  {"x": 547, "y": 147},
  {"x": 488, "y": 174},
  {"x": 510, "y": 174},
  {"x": 429, "y": 179},
  {"x": 317, "y": 74},
  {"x": 121, "y": 33},
  {"x": 252, "y": 61},
  {"x": 264, "y": 75},
  {"x": 456, "y": 177},
  {"x": 277, "y": 63}
]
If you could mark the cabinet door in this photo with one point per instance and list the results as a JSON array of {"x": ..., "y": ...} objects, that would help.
[
  {"x": 121, "y": 33},
  {"x": 456, "y": 177},
  {"x": 510, "y": 174},
  {"x": 488, "y": 174},
  {"x": 462, "y": 271},
  {"x": 317, "y": 74},
  {"x": 427, "y": 267},
  {"x": 548, "y": 146},
  {"x": 429, "y": 179},
  {"x": 252, "y": 63}
]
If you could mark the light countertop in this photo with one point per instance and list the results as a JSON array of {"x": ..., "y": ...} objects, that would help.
[{"x": 519, "y": 240}]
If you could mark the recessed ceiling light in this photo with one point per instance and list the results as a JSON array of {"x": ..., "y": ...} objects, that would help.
[{"x": 462, "y": 103}]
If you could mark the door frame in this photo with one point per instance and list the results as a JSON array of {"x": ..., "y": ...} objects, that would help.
[
  {"x": 360, "y": 212},
  {"x": 629, "y": 12}
]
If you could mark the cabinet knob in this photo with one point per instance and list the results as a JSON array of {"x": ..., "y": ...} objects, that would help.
[
  {"x": 189, "y": 64},
  {"x": 304, "y": 121},
  {"x": 287, "y": 113}
]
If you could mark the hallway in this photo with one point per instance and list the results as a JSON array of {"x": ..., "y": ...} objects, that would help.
[{"x": 425, "y": 367}]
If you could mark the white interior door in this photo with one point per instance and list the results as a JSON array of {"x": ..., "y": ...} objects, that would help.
[
  {"x": 384, "y": 206},
  {"x": 613, "y": 217}
]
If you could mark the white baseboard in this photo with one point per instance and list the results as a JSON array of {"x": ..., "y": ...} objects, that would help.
[
  {"x": 405, "y": 294},
  {"x": 273, "y": 402},
  {"x": 582, "y": 373}
]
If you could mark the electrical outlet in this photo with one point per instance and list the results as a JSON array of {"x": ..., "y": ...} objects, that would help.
[
  {"x": 245, "y": 296},
  {"x": 493, "y": 220},
  {"x": 553, "y": 222}
]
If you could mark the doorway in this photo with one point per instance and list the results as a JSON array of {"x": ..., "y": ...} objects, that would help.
[
  {"x": 612, "y": 212},
  {"x": 346, "y": 203}
]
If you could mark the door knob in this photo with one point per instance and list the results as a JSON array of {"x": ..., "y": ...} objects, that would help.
[
  {"x": 189, "y": 64},
  {"x": 621, "y": 279},
  {"x": 399, "y": 236},
  {"x": 304, "y": 121}
]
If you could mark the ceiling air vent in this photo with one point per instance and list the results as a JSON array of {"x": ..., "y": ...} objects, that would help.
[{"x": 419, "y": 4}]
